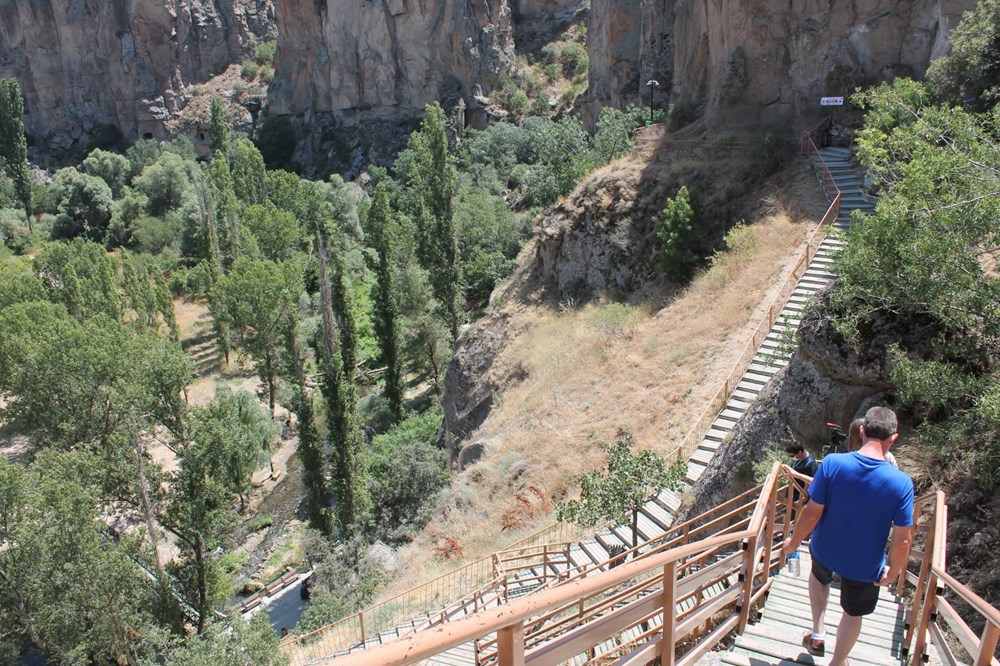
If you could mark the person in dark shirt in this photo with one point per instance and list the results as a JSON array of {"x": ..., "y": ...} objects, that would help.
[{"x": 802, "y": 461}]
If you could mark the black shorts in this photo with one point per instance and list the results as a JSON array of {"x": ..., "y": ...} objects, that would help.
[{"x": 856, "y": 598}]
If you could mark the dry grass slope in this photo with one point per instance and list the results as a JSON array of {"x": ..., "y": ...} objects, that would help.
[{"x": 648, "y": 368}]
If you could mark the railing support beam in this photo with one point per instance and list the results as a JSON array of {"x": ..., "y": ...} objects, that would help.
[
  {"x": 988, "y": 644},
  {"x": 510, "y": 645},
  {"x": 668, "y": 647}
]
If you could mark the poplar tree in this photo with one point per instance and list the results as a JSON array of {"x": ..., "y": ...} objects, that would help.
[
  {"x": 13, "y": 145},
  {"x": 218, "y": 131},
  {"x": 249, "y": 173},
  {"x": 386, "y": 312},
  {"x": 341, "y": 397},
  {"x": 432, "y": 177},
  {"x": 225, "y": 204},
  {"x": 310, "y": 447}
]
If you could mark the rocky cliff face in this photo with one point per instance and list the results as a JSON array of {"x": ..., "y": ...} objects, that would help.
[
  {"x": 87, "y": 64},
  {"x": 757, "y": 58},
  {"x": 386, "y": 59}
]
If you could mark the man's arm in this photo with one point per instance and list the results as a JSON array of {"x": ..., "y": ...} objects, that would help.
[
  {"x": 808, "y": 518},
  {"x": 899, "y": 552}
]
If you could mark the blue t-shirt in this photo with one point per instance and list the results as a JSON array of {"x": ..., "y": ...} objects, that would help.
[{"x": 862, "y": 498}]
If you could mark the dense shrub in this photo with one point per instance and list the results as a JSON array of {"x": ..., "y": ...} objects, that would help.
[{"x": 406, "y": 474}]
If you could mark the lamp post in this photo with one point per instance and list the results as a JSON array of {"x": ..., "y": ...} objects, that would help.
[{"x": 651, "y": 84}]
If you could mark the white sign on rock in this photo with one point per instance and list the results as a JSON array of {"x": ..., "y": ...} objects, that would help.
[{"x": 831, "y": 101}]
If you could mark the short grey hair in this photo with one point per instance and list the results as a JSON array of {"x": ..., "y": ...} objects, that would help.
[{"x": 880, "y": 423}]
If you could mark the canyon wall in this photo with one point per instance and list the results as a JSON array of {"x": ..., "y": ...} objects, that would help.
[
  {"x": 747, "y": 59},
  {"x": 85, "y": 65},
  {"x": 386, "y": 59}
]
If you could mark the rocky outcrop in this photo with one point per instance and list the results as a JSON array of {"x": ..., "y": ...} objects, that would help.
[
  {"x": 629, "y": 42},
  {"x": 386, "y": 59},
  {"x": 472, "y": 381},
  {"x": 748, "y": 59},
  {"x": 829, "y": 378},
  {"x": 86, "y": 66}
]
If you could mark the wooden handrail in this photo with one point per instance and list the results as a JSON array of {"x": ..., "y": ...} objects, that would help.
[
  {"x": 930, "y": 607},
  {"x": 416, "y": 647},
  {"x": 509, "y": 621}
]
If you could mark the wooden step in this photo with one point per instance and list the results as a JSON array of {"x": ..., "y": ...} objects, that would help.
[{"x": 794, "y": 651}]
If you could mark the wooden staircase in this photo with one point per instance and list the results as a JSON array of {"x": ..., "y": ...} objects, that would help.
[{"x": 776, "y": 639}]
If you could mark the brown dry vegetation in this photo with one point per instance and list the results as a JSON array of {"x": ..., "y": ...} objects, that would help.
[
  {"x": 194, "y": 323},
  {"x": 591, "y": 372}
]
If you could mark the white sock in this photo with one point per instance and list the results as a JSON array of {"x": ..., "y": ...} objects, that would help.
[{"x": 821, "y": 636}]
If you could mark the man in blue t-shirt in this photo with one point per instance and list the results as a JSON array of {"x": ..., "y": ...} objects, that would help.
[{"x": 855, "y": 499}]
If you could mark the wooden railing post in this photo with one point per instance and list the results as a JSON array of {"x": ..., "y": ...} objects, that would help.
[
  {"x": 918, "y": 593},
  {"x": 668, "y": 647},
  {"x": 510, "y": 645},
  {"x": 925, "y": 618},
  {"x": 769, "y": 532},
  {"x": 988, "y": 644},
  {"x": 786, "y": 528},
  {"x": 361, "y": 621},
  {"x": 750, "y": 568}
]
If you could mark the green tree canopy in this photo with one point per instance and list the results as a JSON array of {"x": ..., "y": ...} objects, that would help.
[
  {"x": 615, "y": 494},
  {"x": 927, "y": 257},
  {"x": 13, "y": 143},
  {"x": 235, "y": 436},
  {"x": 278, "y": 234},
  {"x": 74, "y": 383},
  {"x": 233, "y": 643},
  {"x": 166, "y": 182},
  {"x": 256, "y": 297},
  {"x": 66, "y": 586},
  {"x": 406, "y": 473},
  {"x": 112, "y": 168},
  {"x": 677, "y": 227},
  {"x": 970, "y": 74},
  {"x": 83, "y": 204}
]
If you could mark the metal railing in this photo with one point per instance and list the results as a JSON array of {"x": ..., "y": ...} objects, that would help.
[
  {"x": 721, "y": 397},
  {"x": 675, "y": 604}
]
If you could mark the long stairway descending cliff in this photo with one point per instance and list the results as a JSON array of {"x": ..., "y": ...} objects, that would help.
[
  {"x": 658, "y": 514},
  {"x": 773, "y": 354}
]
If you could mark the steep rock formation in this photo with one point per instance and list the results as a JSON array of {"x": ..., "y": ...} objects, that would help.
[
  {"x": 528, "y": 9},
  {"x": 756, "y": 58},
  {"x": 84, "y": 65},
  {"x": 386, "y": 59},
  {"x": 472, "y": 380},
  {"x": 629, "y": 42}
]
